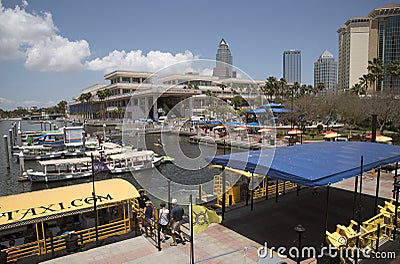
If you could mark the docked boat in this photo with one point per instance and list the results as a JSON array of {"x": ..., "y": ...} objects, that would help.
[
  {"x": 132, "y": 161},
  {"x": 61, "y": 169},
  {"x": 37, "y": 152}
]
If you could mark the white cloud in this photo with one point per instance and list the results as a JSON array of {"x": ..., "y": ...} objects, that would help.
[
  {"x": 9, "y": 104},
  {"x": 57, "y": 54},
  {"x": 137, "y": 61},
  {"x": 35, "y": 38}
]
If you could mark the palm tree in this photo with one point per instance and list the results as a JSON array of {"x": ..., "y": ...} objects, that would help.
[
  {"x": 320, "y": 86},
  {"x": 376, "y": 69},
  {"x": 366, "y": 80},
  {"x": 393, "y": 70},
  {"x": 107, "y": 93},
  {"x": 84, "y": 98},
  {"x": 270, "y": 87},
  {"x": 358, "y": 89},
  {"x": 282, "y": 86},
  {"x": 102, "y": 95}
]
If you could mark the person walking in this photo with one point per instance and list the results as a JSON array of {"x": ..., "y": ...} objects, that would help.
[
  {"x": 163, "y": 220},
  {"x": 148, "y": 217},
  {"x": 176, "y": 221}
]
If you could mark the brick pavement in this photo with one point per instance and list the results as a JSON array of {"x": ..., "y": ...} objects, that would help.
[{"x": 215, "y": 240}]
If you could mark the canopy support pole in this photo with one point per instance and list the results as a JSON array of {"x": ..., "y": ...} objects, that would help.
[
  {"x": 169, "y": 195},
  {"x": 326, "y": 211},
  {"x": 378, "y": 177},
  {"x": 359, "y": 210},
  {"x": 355, "y": 196},
  {"x": 396, "y": 187},
  {"x": 223, "y": 192},
  {"x": 395, "y": 179},
  {"x": 252, "y": 193},
  {"x": 276, "y": 190},
  {"x": 266, "y": 187}
]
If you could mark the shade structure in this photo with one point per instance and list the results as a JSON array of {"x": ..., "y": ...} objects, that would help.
[
  {"x": 316, "y": 164},
  {"x": 262, "y": 130},
  {"x": 332, "y": 135},
  {"x": 295, "y": 132},
  {"x": 239, "y": 128},
  {"x": 370, "y": 136},
  {"x": 383, "y": 139},
  {"x": 219, "y": 127}
]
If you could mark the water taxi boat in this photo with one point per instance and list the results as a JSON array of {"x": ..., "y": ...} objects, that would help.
[
  {"x": 132, "y": 161},
  {"x": 62, "y": 169},
  {"x": 39, "y": 221},
  {"x": 37, "y": 152}
]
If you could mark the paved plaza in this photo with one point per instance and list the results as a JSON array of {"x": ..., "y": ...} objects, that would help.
[{"x": 214, "y": 241}]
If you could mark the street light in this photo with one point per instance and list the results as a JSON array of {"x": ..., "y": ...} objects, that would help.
[
  {"x": 104, "y": 132},
  {"x": 299, "y": 229}
]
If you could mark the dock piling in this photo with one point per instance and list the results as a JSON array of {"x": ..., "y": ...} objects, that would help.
[
  {"x": 10, "y": 135},
  {"x": 21, "y": 164},
  {"x": 6, "y": 151},
  {"x": 19, "y": 138}
]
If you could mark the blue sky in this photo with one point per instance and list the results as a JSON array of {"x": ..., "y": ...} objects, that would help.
[{"x": 51, "y": 50}]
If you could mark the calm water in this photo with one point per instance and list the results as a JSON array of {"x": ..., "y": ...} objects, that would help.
[{"x": 9, "y": 183}]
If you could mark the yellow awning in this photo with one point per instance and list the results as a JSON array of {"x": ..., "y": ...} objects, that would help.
[{"x": 52, "y": 203}]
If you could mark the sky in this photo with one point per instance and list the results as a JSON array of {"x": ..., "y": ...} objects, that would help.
[{"x": 51, "y": 50}]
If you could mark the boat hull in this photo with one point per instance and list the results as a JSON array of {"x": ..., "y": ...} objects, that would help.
[{"x": 35, "y": 176}]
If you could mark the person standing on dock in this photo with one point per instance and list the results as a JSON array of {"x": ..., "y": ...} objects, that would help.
[
  {"x": 142, "y": 199},
  {"x": 163, "y": 220},
  {"x": 175, "y": 221}
]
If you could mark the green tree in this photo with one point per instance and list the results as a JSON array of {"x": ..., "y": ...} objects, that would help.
[
  {"x": 358, "y": 89},
  {"x": 393, "y": 70},
  {"x": 101, "y": 95},
  {"x": 237, "y": 101},
  {"x": 376, "y": 69},
  {"x": 365, "y": 80},
  {"x": 270, "y": 87}
]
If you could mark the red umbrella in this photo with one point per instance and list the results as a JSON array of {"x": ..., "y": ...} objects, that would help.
[{"x": 370, "y": 136}]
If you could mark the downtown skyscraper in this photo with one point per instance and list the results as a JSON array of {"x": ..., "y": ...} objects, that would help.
[
  {"x": 224, "y": 61},
  {"x": 325, "y": 71},
  {"x": 292, "y": 66}
]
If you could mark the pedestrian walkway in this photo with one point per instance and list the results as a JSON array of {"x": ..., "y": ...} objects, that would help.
[
  {"x": 216, "y": 240},
  {"x": 369, "y": 184}
]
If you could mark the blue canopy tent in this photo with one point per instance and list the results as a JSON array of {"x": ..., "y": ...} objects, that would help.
[{"x": 317, "y": 164}]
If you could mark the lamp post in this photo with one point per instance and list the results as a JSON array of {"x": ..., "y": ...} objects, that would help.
[
  {"x": 104, "y": 132},
  {"x": 300, "y": 230}
]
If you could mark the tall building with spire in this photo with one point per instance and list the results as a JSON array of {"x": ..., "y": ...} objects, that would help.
[
  {"x": 325, "y": 71},
  {"x": 224, "y": 61},
  {"x": 292, "y": 66}
]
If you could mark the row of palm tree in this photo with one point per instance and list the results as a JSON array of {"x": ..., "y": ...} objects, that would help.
[
  {"x": 275, "y": 88},
  {"x": 103, "y": 94},
  {"x": 375, "y": 76}
]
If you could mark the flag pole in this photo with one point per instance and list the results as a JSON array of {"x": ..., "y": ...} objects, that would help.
[
  {"x": 94, "y": 203},
  {"x": 191, "y": 230}
]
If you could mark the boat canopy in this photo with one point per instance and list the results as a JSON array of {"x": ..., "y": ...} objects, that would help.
[
  {"x": 26, "y": 208},
  {"x": 316, "y": 164},
  {"x": 60, "y": 162},
  {"x": 35, "y": 147},
  {"x": 104, "y": 152},
  {"x": 132, "y": 154}
]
